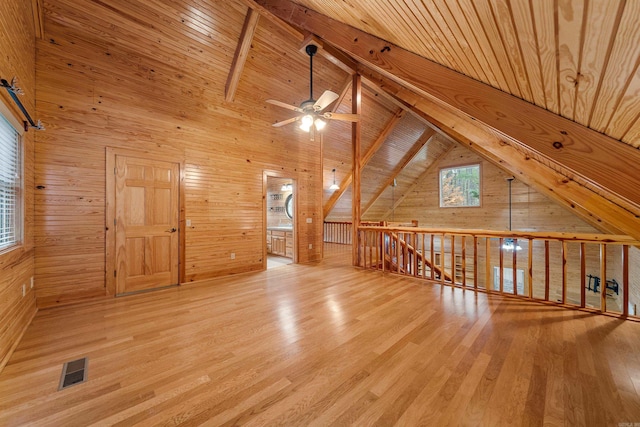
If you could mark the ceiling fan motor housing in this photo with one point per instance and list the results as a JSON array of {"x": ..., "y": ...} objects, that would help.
[{"x": 311, "y": 49}]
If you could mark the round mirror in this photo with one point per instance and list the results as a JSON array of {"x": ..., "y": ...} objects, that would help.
[{"x": 288, "y": 206}]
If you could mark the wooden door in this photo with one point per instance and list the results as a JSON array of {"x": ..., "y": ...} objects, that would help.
[{"x": 146, "y": 223}]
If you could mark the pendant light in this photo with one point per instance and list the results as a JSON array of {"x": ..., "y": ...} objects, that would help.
[
  {"x": 334, "y": 186},
  {"x": 508, "y": 244}
]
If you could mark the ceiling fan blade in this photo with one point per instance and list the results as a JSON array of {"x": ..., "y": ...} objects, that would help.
[
  {"x": 342, "y": 117},
  {"x": 285, "y": 122},
  {"x": 325, "y": 100},
  {"x": 283, "y": 105}
]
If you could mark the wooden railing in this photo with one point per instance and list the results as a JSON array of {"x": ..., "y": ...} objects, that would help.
[
  {"x": 338, "y": 232},
  {"x": 585, "y": 271},
  {"x": 341, "y": 232}
]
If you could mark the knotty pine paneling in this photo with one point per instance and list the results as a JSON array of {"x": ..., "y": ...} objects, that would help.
[
  {"x": 150, "y": 76},
  {"x": 17, "y": 44},
  {"x": 531, "y": 210}
]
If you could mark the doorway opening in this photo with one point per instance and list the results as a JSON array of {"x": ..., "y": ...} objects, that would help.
[{"x": 280, "y": 221}]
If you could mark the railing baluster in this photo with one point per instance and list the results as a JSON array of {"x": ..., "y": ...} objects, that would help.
[
  {"x": 464, "y": 261},
  {"x": 530, "y": 266},
  {"x": 475, "y": 262},
  {"x": 442, "y": 263},
  {"x": 515, "y": 267},
  {"x": 431, "y": 253},
  {"x": 625, "y": 280},
  {"x": 583, "y": 274},
  {"x": 603, "y": 277},
  {"x": 501, "y": 266},
  {"x": 546, "y": 270},
  {"x": 487, "y": 267},
  {"x": 564, "y": 271},
  {"x": 453, "y": 259}
]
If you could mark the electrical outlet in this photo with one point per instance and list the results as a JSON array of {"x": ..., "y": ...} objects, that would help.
[
  {"x": 31, "y": 282},
  {"x": 310, "y": 245},
  {"x": 233, "y": 255},
  {"x": 188, "y": 223},
  {"x": 24, "y": 289}
]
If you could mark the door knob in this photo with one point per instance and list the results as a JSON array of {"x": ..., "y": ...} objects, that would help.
[{"x": 173, "y": 230}]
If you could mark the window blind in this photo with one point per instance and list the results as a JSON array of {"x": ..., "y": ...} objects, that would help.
[{"x": 10, "y": 188}]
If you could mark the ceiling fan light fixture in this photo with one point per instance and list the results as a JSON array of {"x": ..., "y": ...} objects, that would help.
[
  {"x": 320, "y": 124},
  {"x": 306, "y": 122}
]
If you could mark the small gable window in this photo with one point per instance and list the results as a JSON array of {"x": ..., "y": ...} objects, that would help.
[{"x": 460, "y": 186}]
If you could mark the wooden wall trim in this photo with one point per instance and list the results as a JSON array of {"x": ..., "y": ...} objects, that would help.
[
  {"x": 597, "y": 160},
  {"x": 111, "y": 153}
]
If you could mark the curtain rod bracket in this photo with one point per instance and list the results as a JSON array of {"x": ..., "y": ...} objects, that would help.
[{"x": 14, "y": 91}]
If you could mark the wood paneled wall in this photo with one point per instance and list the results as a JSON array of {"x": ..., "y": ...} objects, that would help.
[
  {"x": 17, "y": 44},
  {"x": 106, "y": 78},
  {"x": 532, "y": 211}
]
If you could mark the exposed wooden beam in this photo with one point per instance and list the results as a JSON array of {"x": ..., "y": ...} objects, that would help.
[
  {"x": 579, "y": 154},
  {"x": 330, "y": 53},
  {"x": 356, "y": 133},
  {"x": 417, "y": 182},
  {"x": 424, "y": 138},
  {"x": 343, "y": 93},
  {"x": 242, "y": 51},
  {"x": 491, "y": 145},
  {"x": 382, "y": 137},
  {"x": 38, "y": 18}
]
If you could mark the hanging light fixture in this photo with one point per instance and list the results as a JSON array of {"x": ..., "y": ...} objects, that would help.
[
  {"x": 334, "y": 186},
  {"x": 508, "y": 243}
]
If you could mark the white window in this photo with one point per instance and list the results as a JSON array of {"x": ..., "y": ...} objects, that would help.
[
  {"x": 10, "y": 185},
  {"x": 460, "y": 186}
]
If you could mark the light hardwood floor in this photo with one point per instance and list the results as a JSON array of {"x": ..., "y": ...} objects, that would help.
[{"x": 324, "y": 344}]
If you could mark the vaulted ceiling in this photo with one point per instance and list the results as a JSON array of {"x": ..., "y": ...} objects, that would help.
[{"x": 546, "y": 90}]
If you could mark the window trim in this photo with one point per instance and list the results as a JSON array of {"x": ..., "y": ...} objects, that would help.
[
  {"x": 18, "y": 126},
  {"x": 458, "y": 166}
]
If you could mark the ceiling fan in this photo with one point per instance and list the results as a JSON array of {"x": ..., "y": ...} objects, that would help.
[{"x": 311, "y": 112}]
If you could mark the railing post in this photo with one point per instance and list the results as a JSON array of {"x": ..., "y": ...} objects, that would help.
[
  {"x": 583, "y": 274},
  {"x": 564, "y": 272},
  {"x": 603, "y": 277},
  {"x": 546, "y": 270}
]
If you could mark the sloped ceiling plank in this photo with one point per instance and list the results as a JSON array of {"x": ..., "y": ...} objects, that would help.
[
  {"x": 570, "y": 26},
  {"x": 526, "y": 31},
  {"x": 545, "y": 28},
  {"x": 490, "y": 144},
  {"x": 451, "y": 10},
  {"x": 598, "y": 159},
  {"x": 598, "y": 42},
  {"x": 418, "y": 181},
  {"x": 620, "y": 67},
  {"x": 424, "y": 138},
  {"x": 503, "y": 19},
  {"x": 344, "y": 184},
  {"x": 242, "y": 51}
]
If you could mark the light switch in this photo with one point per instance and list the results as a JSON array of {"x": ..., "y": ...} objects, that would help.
[{"x": 309, "y": 220}]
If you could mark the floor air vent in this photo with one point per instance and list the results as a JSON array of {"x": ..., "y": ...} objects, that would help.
[{"x": 74, "y": 372}]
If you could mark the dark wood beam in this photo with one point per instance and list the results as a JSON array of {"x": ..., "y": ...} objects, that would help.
[
  {"x": 604, "y": 165},
  {"x": 242, "y": 51},
  {"x": 422, "y": 140}
]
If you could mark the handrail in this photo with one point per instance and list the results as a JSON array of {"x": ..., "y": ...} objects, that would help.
[{"x": 543, "y": 266}]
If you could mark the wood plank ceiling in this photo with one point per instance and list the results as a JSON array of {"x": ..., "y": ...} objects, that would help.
[{"x": 577, "y": 58}]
